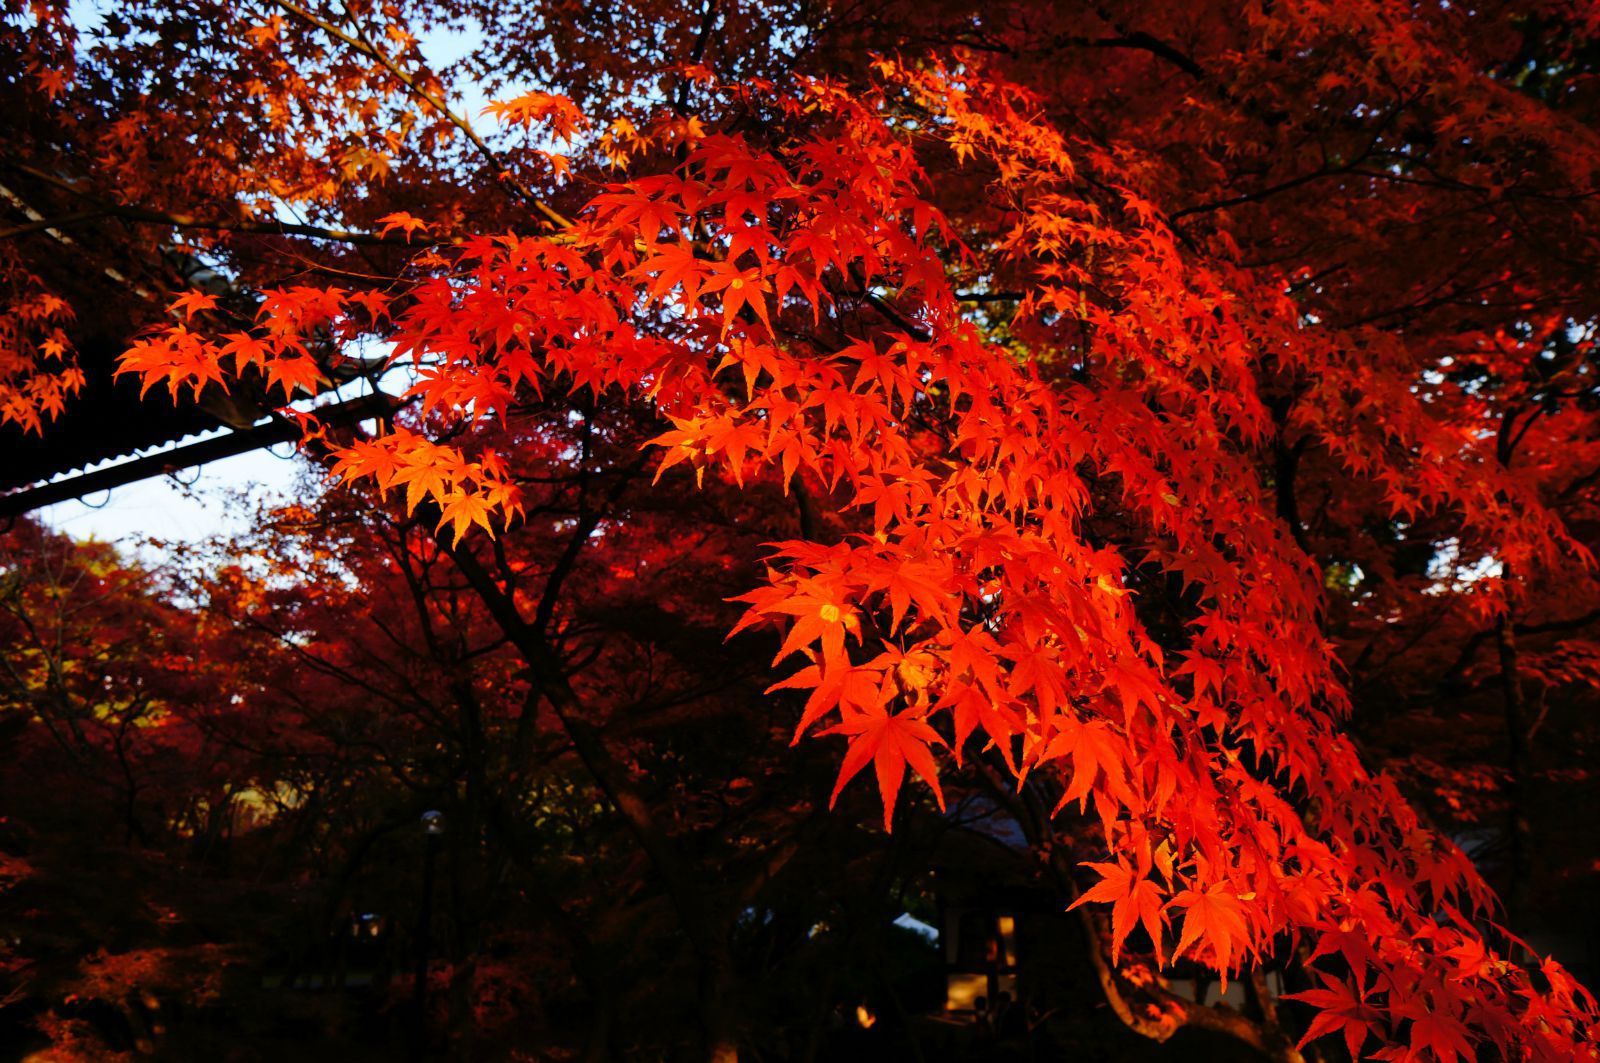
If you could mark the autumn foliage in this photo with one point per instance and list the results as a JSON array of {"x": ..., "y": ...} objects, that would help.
[{"x": 1106, "y": 389}]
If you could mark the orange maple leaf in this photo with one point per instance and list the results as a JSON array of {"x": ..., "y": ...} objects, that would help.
[
  {"x": 1132, "y": 897},
  {"x": 404, "y": 222},
  {"x": 890, "y": 741},
  {"x": 1214, "y": 918},
  {"x": 191, "y": 303}
]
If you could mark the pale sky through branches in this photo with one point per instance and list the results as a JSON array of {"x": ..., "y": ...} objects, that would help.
[{"x": 195, "y": 505}]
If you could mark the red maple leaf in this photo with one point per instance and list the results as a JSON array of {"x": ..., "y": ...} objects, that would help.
[{"x": 890, "y": 741}]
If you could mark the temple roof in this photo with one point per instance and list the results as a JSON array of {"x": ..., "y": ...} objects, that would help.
[{"x": 107, "y": 422}]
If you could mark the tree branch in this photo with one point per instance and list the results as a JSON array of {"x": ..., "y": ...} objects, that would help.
[{"x": 145, "y": 216}]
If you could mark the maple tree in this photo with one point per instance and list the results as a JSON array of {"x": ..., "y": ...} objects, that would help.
[{"x": 1135, "y": 377}]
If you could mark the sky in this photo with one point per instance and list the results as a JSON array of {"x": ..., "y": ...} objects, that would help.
[{"x": 163, "y": 508}]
